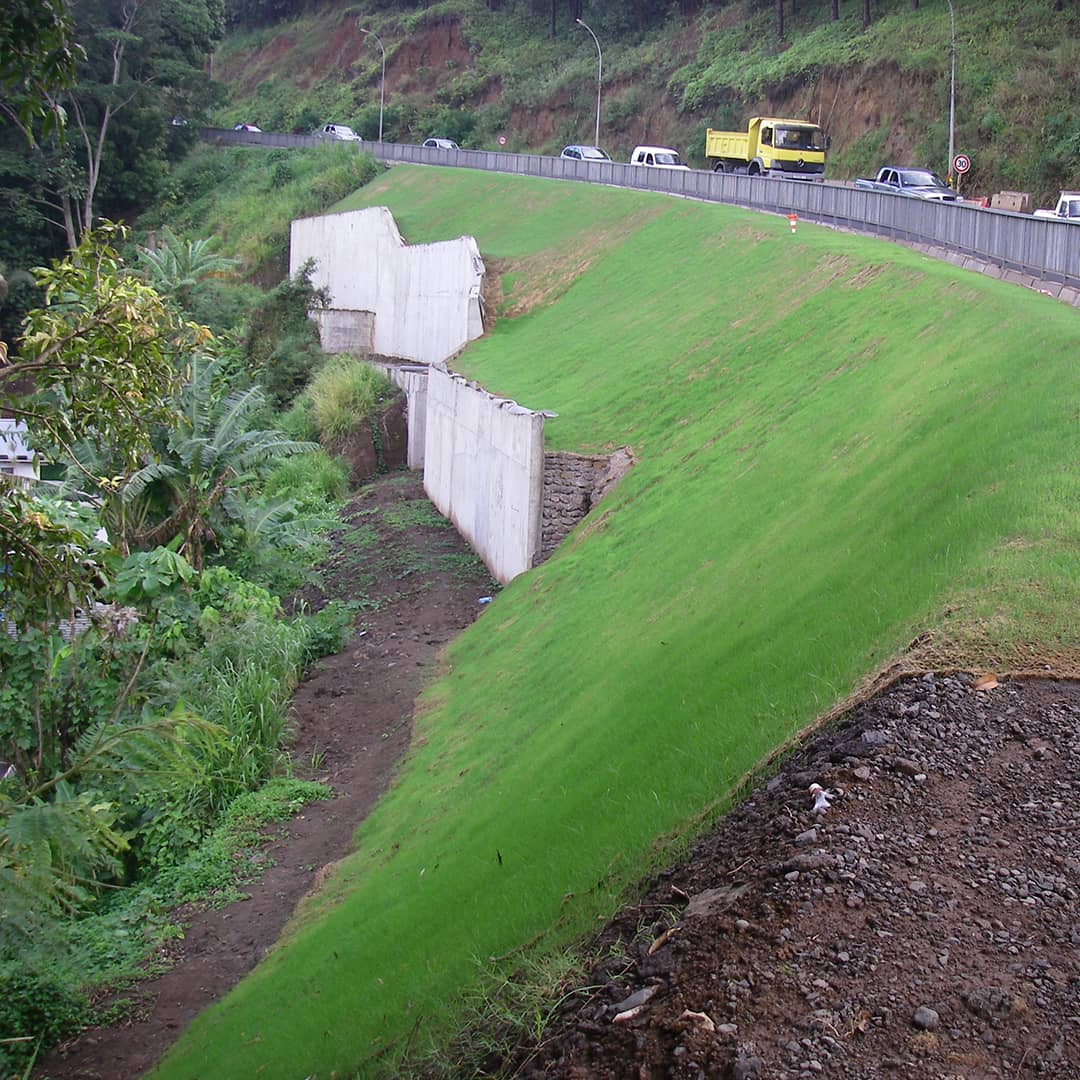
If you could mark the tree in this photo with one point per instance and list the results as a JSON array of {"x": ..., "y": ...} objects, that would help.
[
  {"x": 37, "y": 61},
  {"x": 97, "y": 365},
  {"x": 144, "y": 62},
  {"x": 176, "y": 267},
  {"x": 200, "y": 474}
]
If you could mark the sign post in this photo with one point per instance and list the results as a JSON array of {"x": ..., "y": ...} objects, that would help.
[{"x": 960, "y": 165}]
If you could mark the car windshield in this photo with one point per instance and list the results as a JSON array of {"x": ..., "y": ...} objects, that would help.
[
  {"x": 800, "y": 138},
  {"x": 594, "y": 153},
  {"x": 920, "y": 178},
  {"x": 668, "y": 158}
]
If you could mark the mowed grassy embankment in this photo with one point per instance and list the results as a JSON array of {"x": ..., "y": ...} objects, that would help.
[{"x": 840, "y": 444}]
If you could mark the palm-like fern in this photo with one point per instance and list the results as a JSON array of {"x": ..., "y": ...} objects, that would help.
[
  {"x": 177, "y": 266},
  {"x": 207, "y": 462}
]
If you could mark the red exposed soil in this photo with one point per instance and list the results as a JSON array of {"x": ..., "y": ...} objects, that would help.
[{"x": 420, "y": 586}]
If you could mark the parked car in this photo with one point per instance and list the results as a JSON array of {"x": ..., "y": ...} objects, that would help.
[
  {"x": 916, "y": 183},
  {"x": 657, "y": 157},
  {"x": 341, "y": 132},
  {"x": 584, "y": 153},
  {"x": 440, "y": 144},
  {"x": 248, "y": 127}
]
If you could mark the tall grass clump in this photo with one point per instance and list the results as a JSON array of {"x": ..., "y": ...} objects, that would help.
[{"x": 346, "y": 393}]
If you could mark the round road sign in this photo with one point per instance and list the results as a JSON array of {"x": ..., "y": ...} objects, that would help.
[
  {"x": 502, "y": 140},
  {"x": 961, "y": 163}
]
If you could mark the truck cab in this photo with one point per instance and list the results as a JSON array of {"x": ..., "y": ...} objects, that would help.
[
  {"x": 1067, "y": 209},
  {"x": 657, "y": 157}
]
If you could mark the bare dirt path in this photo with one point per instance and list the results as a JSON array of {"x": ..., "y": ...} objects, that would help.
[{"x": 419, "y": 586}]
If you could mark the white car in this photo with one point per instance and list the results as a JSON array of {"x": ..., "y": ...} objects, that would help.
[
  {"x": 248, "y": 127},
  {"x": 657, "y": 157},
  {"x": 341, "y": 132},
  {"x": 584, "y": 153},
  {"x": 440, "y": 144}
]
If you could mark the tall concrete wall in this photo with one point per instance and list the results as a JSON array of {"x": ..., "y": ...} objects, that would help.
[
  {"x": 483, "y": 469},
  {"x": 425, "y": 297}
]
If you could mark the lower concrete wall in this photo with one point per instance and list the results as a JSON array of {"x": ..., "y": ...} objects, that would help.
[
  {"x": 483, "y": 469},
  {"x": 343, "y": 331},
  {"x": 413, "y": 380}
]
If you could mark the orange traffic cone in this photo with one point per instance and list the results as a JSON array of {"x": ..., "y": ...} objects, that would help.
[{"x": 793, "y": 220}]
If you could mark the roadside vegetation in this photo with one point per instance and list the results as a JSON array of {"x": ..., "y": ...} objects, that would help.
[
  {"x": 148, "y": 662},
  {"x": 834, "y": 461}
]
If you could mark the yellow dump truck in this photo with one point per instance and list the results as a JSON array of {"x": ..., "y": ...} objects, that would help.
[{"x": 770, "y": 146}]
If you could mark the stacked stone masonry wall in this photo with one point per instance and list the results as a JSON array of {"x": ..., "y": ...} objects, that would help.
[{"x": 573, "y": 484}]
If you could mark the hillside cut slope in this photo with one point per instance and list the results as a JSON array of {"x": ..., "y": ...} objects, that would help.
[{"x": 845, "y": 449}]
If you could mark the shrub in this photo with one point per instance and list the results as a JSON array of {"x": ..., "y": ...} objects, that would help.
[
  {"x": 314, "y": 482},
  {"x": 37, "y": 1007},
  {"x": 345, "y": 394}
]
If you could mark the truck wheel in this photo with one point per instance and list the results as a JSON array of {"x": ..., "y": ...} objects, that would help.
[
  {"x": 719, "y": 167},
  {"x": 755, "y": 169}
]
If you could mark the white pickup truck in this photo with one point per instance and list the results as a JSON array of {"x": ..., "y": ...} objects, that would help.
[
  {"x": 915, "y": 183},
  {"x": 1067, "y": 209}
]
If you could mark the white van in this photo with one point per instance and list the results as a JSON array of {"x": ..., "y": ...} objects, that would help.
[{"x": 657, "y": 157}]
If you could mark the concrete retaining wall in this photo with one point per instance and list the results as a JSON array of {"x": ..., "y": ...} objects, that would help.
[
  {"x": 346, "y": 331},
  {"x": 425, "y": 297},
  {"x": 414, "y": 381},
  {"x": 483, "y": 469}
]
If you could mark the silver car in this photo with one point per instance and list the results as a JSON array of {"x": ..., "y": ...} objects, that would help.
[
  {"x": 440, "y": 144},
  {"x": 584, "y": 153}
]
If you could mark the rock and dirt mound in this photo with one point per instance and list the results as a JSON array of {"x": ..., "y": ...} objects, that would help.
[{"x": 916, "y": 914}]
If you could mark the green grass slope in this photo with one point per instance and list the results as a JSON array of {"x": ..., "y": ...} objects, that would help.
[{"x": 840, "y": 443}]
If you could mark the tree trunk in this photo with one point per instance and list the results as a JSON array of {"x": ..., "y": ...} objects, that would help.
[
  {"x": 834, "y": 10},
  {"x": 865, "y": 14},
  {"x": 779, "y": 5}
]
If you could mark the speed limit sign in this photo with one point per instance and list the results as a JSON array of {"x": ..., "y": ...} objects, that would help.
[{"x": 961, "y": 164}]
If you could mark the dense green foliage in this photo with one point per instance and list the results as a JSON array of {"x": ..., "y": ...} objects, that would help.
[
  {"x": 140, "y": 63},
  {"x": 831, "y": 456},
  {"x": 344, "y": 394},
  {"x": 145, "y": 690}
]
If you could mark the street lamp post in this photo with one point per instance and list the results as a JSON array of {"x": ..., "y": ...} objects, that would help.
[
  {"x": 599, "y": 77},
  {"x": 382, "y": 80},
  {"x": 952, "y": 86}
]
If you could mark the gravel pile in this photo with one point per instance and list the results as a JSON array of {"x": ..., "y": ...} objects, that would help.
[{"x": 903, "y": 899}]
